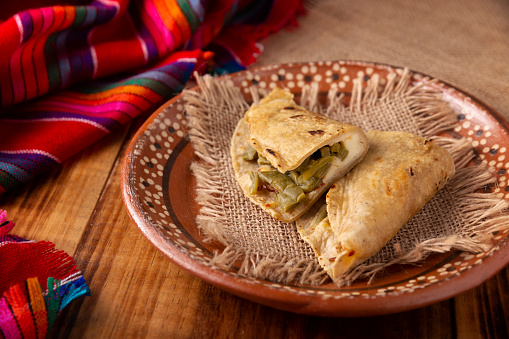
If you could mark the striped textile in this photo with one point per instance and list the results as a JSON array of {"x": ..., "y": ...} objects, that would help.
[
  {"x": 69, "y": 75},
  {"x": 27, "y": 308}
]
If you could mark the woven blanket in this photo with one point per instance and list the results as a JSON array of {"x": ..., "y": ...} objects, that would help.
[
  {"x": 37, "y": 282},
  {"x": 69, "y": 75}
]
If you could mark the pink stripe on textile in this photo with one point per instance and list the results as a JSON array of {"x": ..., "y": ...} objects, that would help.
[
  {"x": 107, "y": 110},
  {"x": 17, "y": 73},
  {"x": 39, "y": 63},
  {"x": 37, "y": 23},
  {"x": 7, "y": 321},
  {"x": 167, "y": 37},
  {"x": 28, "y": 57},
  {"x": 56, "y": 120},
  {"x": 141, "y": 101}
]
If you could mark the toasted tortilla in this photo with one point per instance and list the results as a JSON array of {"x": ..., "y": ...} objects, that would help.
[
  {"x": 286, "y": 143},
  {"x": 367, "y": 207},
  {"x": 286, "y": 133}
]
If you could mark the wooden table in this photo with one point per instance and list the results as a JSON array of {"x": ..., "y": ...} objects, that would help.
[{"x": 137, "y": 292}]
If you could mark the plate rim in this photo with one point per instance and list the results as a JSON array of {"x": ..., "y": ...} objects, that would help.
[{"x": 307, "y": 304}]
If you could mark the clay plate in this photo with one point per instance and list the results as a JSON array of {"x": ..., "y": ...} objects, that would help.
[{"x": 159, "y": 190}]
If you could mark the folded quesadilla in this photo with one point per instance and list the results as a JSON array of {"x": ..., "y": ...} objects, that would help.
[
  {"x": 367, "y": 207},
  {"x": 285, "y": 156}
]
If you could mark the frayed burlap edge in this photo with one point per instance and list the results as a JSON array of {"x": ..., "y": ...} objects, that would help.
[{"x": 484, "y": 213}]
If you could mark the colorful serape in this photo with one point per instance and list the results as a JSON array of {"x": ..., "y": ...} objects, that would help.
[
  {"x": 69, "y": 75},
  {"x": 37, "y": 282}
]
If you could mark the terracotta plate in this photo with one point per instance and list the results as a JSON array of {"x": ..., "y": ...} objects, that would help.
[{"x": 159, "y": 190}]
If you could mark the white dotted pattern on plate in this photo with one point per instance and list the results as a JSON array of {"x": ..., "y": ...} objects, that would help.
[{"x": 168, "y": 129}]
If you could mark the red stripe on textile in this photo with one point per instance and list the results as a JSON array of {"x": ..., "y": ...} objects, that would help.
[
  {"x": 28, "y": 80},
  {"x": 47, "y": 19},
  {"x": 62, "y": 139},
  {"x": 116, "y": 46},
  {"x": 27, "y": 260},
  {"x": 213, "y": 23},
  {"x": 29, "y": 57},
  {"x": 16, "y": 69},
  {"x": 241, "y": 40},
  {"x": 20, "y": 306},
  {"x": 9, "y": 40}
]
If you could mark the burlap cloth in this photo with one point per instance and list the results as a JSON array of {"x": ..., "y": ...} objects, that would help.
[
  {"x": 447, "y": 40},
  {"x": 462, "y": 42}
]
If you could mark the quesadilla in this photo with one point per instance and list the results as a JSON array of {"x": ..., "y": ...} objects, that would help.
[
  {"x": 285, "y": 156},
  {"x": 367, "y": 207}
]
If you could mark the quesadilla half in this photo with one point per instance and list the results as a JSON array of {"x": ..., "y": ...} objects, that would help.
[
  {"x": 285, "y": 156},
  {"x": 367, "y": 207}
]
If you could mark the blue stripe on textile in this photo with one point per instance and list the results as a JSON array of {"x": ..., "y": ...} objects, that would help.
[
  {"x": 64, "y": 65},
  {"x": 27, "y": 23},
  {"x": 26, "y": 164},
  {"x": 71, "y": 291},
  {"x": 165, "y": 78},
  {"x": 152, "y": 51},
  {"x": 183, "y": 71},
  {"x": 39, "y": 159},
  {"x": 198, "y": 9},
  {"x": 90, "y": 16},
  {"x": 11, "y": 238},
  {"x": 16, "y": 172},
  {"x": 79, "y": 56}
]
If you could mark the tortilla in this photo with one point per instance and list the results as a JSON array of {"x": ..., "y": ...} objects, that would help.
[
  {"x": 288, "y": 136},
  {"x": 367, "y": 207}
]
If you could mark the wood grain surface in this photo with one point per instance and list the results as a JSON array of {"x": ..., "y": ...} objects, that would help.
[{"x": 137, "y": 292}]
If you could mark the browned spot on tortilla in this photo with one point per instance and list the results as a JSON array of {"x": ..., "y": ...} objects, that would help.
[
  {"x": 270, "y": 151},
  {"x": 318, "y": 131},
  {"x": 289, "y": 107},
  {"x": 332, "y": 259},
  {"x": 352, "y": 252},
  {"x": 296, "y": 116},
  {"x": 411, "y": 171},
  {"x": 333, "y": 186}
]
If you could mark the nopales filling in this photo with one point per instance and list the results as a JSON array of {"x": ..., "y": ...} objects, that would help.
[{"x": 292, "y": 187}]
